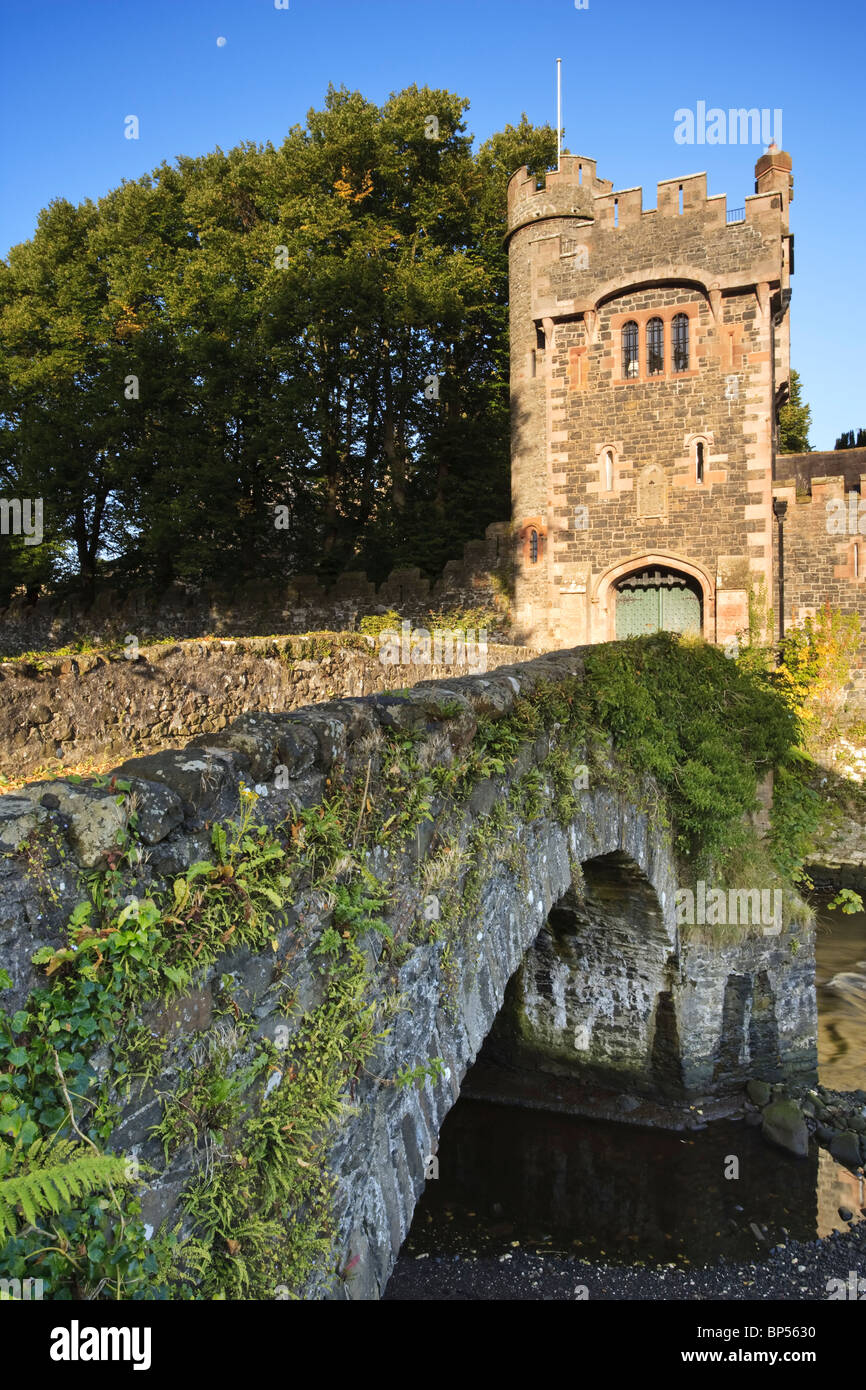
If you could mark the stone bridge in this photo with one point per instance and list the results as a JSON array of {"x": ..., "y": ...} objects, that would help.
[{"x": 535, "y": 909}]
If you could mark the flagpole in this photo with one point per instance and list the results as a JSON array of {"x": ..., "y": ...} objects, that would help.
[{"x": 558, "y": 112}]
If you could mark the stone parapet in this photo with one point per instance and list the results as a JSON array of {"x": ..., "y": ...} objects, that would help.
[{"x": 441, "y": 991}]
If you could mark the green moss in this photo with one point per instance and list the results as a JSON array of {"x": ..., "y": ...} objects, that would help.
[
  {"x": 463, "y": 620},
  {"x": 702, "y": 727}
]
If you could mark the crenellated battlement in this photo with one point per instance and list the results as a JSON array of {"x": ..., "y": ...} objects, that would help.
[
  {"x": 823, "y": 505},
  {"x": 833, "y": 473},
  {"x": 564, "y": 192},
  {"x": 575, "y": 190},
  {"x": 575, "y": 171}
]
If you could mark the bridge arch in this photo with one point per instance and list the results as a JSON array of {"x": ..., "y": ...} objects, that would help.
[
  {"x": 592, "y": 998},
  {"x": 614, "y": 841},
  {"x": 655, "y": 1008}
]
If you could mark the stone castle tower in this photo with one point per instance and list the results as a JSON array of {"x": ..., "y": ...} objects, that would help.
[{"x": 649, "y": 360}]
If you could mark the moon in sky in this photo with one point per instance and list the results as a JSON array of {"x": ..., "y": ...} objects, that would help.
[{"x": 221, "y": 43}]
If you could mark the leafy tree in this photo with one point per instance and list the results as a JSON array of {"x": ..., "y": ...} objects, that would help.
[
  {"x": 795, "y": 418},
  {"x": 848, "y": 440},
  {"x": 62, "y": 430},
  {"x": 259, "y": 362}
]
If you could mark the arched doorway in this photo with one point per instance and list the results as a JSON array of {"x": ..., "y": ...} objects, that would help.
[{"x": 657, "y": 599}]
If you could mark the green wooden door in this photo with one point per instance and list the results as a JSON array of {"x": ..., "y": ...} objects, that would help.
[
  {"x": 637, "y": 611},
  {"x": 680, "y": 610},
  {"x": 649, "y": 602}
]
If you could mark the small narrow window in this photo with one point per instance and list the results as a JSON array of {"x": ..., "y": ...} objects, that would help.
[
  {"x": 539, "y": 337},
  {"x": 699, "y": 461},
  {"x": 681, "y": 199},
  {"x": 608, "y": 470},
  {"x": 616, "y": 212},
  {"x": 580, "y": 174},
  {"x": 533, "y": 547},
  {"x": 655, "y": 347},
  {"x": 680, "y": 342},
  {"x": 856, "y": 561},
  {"x": 533, "y": 363},
  {"x": 630, "y": 365}
]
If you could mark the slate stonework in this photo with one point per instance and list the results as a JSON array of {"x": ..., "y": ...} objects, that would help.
[
  {"x": 381, "y": 1147},
  {"x": 63, "y": 710},
  {"x": 302, "y": 604}
]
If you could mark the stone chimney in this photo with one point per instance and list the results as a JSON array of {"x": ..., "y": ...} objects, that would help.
[{"x": 773, "y": 175}]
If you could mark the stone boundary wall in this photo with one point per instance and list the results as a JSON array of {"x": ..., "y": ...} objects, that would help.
[
  {"x": 61, "y": 711},
  {"x": 448, "y": 990},
  {"x": 820, "y": 562},
  {"x": 803, "y": 470},
  {"x": 301, "y": 604}
]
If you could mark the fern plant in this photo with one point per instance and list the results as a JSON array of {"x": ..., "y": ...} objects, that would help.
[{"x": 48, "y": 1178}]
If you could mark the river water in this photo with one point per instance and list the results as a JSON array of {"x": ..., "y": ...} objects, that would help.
[
  {"x": 840, "y": 950},
  {"x": 513, "y": 1178}
]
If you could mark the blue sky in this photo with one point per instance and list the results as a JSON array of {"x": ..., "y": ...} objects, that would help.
[{"x": 73, "y": 69}]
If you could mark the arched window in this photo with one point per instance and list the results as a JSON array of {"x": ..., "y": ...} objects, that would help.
[
  {"x": 680, "y": 342},
  {"x": 630, "y": 365},
  {"x": 608, "y": 470},
  {"x": 699, "y": 461},
  {"x": 655, "y": 347},
  {"x": 533, "y": 547}
]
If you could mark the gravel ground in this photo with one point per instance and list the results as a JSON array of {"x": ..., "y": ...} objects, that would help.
[{"x": 797, "y": 1272}]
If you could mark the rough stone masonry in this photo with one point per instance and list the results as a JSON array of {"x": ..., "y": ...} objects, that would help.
[
  {"x": 650, "y": 358},
  {"x": 632, "y": 997}
]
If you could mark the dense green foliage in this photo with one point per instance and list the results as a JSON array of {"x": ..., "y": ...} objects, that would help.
[
  {"x": 705, "y": 728},
  {"x": 848, "y": 439},
  {"x": 795, "y": 419},
  {"x": 816, "y": 661},
  {"x": 46, "y": 1178},
  {"x": 226, "y": 368}
]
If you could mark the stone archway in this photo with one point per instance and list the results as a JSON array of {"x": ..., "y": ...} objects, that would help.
[
  {"x": 653, "y": 599},
  {"x": 676, "y": 573},
  {"x": 651, "y": 1004},
  {"x": 592, "y": 999}
]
